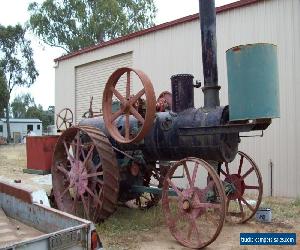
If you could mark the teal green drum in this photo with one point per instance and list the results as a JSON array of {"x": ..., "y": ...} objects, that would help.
[{"x": 253, "y": 88}]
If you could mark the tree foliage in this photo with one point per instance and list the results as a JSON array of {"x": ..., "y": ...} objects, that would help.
[
  {"x": 21, "y": 104},
  {"x": 16, "y": 62},
  {"x": 24, "y": 106},
  {"x": 3, "y": 94},
  {"x": 75, "y": 24},
  {"x": 16, "y": 57}
]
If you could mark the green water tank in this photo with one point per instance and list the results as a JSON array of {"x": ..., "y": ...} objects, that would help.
[{"x": 253, "y": 88}]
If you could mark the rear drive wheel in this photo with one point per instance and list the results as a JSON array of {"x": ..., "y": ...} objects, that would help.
[{"x": 85, "y": 174}]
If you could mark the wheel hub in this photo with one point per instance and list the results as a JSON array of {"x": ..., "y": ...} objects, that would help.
[
  {"x": 186, "y": 205},
  {"x": 191, "y": 198},
  {"x": 78, "y": 177},
  {"x": 127, "y": 106},
  {"x": 238, "y": 182}
]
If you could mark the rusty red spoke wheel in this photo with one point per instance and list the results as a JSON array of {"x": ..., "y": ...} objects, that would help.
[
  {"x": 244, "y": 187},
  {"x": 85, "y": 174},
  {"x": 194, "y": 206},
  {"x": 64, "y": 119},
  {"x": 127, "y": 125}
]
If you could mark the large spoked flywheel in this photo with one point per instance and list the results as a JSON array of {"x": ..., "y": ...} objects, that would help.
[
  {"x": 85, "y": 175},
  {"x": 129, "y": 105}
]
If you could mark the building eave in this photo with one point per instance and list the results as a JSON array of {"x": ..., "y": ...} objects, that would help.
[{"x": 156, "y": 28}]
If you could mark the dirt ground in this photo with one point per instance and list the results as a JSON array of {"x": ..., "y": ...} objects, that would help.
[
  {"x": 286, "y": 216},
  {"x": 159, "y": 237},
  {"x": 228, "y": 239},
  {"x": 13, "y": 161}
]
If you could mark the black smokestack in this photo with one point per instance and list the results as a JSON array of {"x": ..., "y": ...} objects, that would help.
[{"x": 207, "y": 12}]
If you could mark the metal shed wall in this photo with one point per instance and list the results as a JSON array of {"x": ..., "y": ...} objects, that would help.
[{"x": 178, "y": 50}]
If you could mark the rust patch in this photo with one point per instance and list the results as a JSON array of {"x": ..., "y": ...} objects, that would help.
[
  {"x": 17, "y": 192},
  {"x": 236, "y": 49}
]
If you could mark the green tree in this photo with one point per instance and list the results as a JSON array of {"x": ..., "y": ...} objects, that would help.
[
  {"x": 51, "y": 115},
  {"x": 3, "y": 94},
  {"x": 75, "y": 24},
  {"x": 51, "y": 110},
  {"x": 24, "y": 106},
  {"x": 20, "y": 105},
  {"x": 46, "y": 116},
  {"x": 16, "y": 62},
  {"x": 35, "y": 112}
]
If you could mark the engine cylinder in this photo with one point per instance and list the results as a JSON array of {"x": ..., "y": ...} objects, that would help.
[{"x": 182, "y": 92}]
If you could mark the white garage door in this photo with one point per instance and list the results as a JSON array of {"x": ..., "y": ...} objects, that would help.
[{"x": 91, "y": 79}]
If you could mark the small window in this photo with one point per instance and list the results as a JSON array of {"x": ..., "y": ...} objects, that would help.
[
  {"x": 38, "y": 127},
  {"x": 30, "y": 127},
  {"x": 1, "y": 128}
]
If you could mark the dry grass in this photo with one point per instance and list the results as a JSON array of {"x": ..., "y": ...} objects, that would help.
[
  {"x": 123, "y": 228},
  {"x": 283, "y": 209},
  {"x": 12, "y": 159}
]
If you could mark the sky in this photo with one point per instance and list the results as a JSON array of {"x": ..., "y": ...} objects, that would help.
[{"x": 15, "y": 11}]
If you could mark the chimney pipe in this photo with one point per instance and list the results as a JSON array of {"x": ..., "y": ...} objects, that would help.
[{"x": 207, "y": 12}]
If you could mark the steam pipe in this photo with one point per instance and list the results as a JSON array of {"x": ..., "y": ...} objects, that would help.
[{"x": 207, "y": 12}]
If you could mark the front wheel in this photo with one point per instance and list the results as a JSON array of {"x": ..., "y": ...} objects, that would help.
[{"x": 194, "y": 206}]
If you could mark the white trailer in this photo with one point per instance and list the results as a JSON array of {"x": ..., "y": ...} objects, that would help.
[{"x": 28, "y": 222}]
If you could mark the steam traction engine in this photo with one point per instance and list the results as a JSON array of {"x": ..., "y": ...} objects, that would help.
[{"x": 191, "y": 154}]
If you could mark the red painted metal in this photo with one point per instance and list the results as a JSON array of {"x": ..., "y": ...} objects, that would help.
[
  {"x": 39, "y": 151},
  {"x": 156, "y": 28},
  {"x": 248, "y": 185},
  {"x": 21, "y": 193}
]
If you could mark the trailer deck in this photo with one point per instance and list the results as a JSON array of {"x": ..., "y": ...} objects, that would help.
[
  {"x": 28, "y": 222},
  {"x": 12, "y": 231}
]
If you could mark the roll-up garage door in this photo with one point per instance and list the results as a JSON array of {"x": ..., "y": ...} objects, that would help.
[{"x": 91, "y": 79}]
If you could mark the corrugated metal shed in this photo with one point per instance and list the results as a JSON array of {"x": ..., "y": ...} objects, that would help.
[{"x": 175, "y": 47}]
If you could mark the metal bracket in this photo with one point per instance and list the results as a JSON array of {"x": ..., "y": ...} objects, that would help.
[
  {"x": 197, "y": 85},
  {"x": 261, "y": 135}
]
